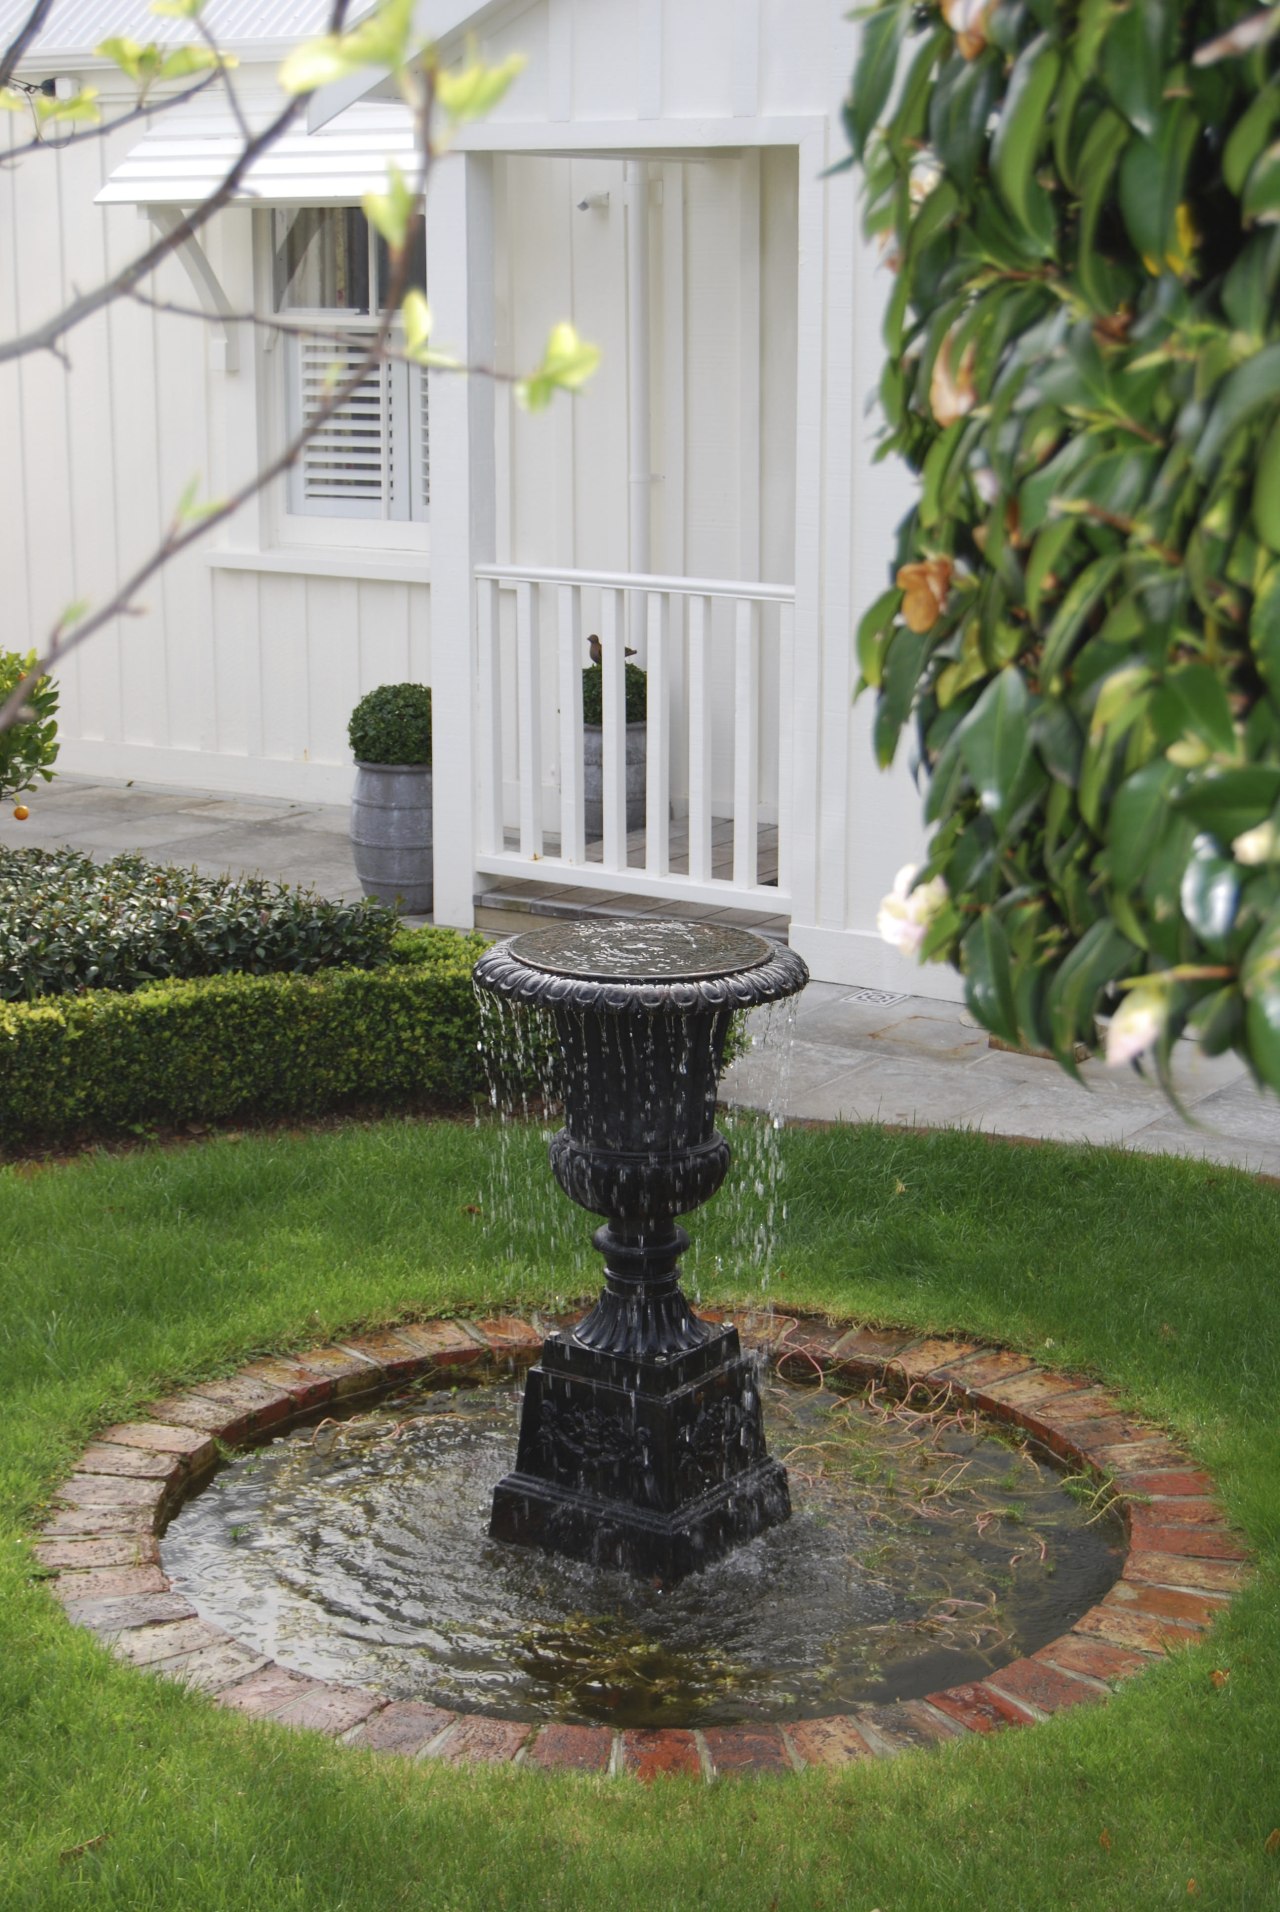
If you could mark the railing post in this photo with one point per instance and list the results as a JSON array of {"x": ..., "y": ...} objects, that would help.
[
  {"x": 746, "y": 743},
  {"x": 614, "y": 735},
  {"x": 572, "y": 846},
  {"x": 657, "y": 832},
  {"x": 529, "y": 717},
  {"x": 460, "y": 273},
  {"x": 700, "y": 739},
  {"x": 489, "y": 726}
]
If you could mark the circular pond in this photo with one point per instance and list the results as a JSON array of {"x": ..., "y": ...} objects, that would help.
[{"x": 926, "y": 1548}]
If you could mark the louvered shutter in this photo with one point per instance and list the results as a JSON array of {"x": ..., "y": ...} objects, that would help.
[{"x": 369, "y": 460}]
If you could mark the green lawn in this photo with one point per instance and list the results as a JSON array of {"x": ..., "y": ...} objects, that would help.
[{"x": 122, "y": 1275}]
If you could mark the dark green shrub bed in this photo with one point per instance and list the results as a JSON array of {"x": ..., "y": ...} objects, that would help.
[
  {"x": 68, "y": 924},
  {"x": 108, "y": 1063}
]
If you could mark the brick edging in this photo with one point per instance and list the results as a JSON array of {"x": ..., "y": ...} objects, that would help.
[{"x": 100, "y": 1549}]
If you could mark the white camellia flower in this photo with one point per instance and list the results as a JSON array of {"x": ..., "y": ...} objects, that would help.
[
  {"x": 1259, "y": 845},
  {"x": 1136, "y": 1026},
  {"x": 907, "y": 911}
]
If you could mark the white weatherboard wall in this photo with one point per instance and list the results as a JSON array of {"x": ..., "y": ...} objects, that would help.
[{"x": 764, "y": 349}]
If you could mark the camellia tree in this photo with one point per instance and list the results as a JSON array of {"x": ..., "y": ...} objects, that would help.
[{"x": 1081, "y": 203}]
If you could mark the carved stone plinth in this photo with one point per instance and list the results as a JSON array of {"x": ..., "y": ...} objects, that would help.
[{"x": 655, "y": 1466}]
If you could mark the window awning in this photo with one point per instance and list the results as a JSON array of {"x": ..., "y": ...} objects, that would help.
[{"x": 181, "y": 164}]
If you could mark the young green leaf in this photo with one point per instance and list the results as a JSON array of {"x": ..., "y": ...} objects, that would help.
[
  {"x": 567, "y": 364},
  {"x": 470, "y": 92},
  {"x": 390, "y": 212}
]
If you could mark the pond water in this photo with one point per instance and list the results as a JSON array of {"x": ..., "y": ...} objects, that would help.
[{"x": 925, "y": 1549}]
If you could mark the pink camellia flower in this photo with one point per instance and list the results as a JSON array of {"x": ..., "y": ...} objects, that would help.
[
  {"x": 1136, "y": 1026},
  {"x": 909, "y": 908}
]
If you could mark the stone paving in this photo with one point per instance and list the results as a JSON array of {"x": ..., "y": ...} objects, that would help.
[{"x": 857, "y": 1057}]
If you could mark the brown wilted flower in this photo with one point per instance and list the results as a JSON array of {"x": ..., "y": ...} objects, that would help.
[
  {"x": 968, "y": 21},
  {"x": 952, "y": 392},
  {"x": 925, "y": 586}
]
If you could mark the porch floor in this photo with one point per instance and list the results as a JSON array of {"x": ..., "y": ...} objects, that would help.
[
  {"x": 860, "y": 1054},
  {"x": 516, "y": 903}
]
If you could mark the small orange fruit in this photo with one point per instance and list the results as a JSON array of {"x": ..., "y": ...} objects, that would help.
[{"x": 21, "y": 811}]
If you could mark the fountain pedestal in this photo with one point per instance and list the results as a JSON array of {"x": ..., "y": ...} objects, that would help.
[{"x": 641, "y": 1439}]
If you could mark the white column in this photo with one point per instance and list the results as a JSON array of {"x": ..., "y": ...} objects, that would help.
[{"x": 460, "y": 287}]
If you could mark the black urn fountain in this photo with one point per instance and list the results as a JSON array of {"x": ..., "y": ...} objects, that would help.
[{"x": 641, "y": 1439}]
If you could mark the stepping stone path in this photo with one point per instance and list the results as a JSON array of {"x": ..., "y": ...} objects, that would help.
[{"x": 100, "y": 1550}]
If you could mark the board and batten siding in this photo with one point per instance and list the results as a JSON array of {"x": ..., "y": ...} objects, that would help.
[{"x": 231, "y": 679}]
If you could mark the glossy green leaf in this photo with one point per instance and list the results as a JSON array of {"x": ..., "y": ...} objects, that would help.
[
  {"x": 1266, "y": 490},
  {"x": 879, "y": 44},
  {"x": 901, "y": 670},
  {"x": 988, "y": 983},
  {"x": 961, "y": 105},
  {"x": 996, "y": 743},
  {"x": 1101, "y": 955},
  {"x": 1260, "y": 981},
  {"x": 1251, "y": 386},
  {"x": 1229, "y": 802},
  {"x": 873, "y": 629},
  {"x": 1196, "y": 704},
  {"x": 1152, "y": 183},
  {"x": 1050, "y": 545},
  {"x": 1139, "y": 812},
  {"x": 1132, "y": 62},
  {"x": 1075, "y": 611},
  {"x": 1248, "y": 137},
  {"x": 1210, "y": 892},
  {"x": 1021, "y": 132}
]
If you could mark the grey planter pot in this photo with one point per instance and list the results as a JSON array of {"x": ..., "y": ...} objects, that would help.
[
  {"x": 593, "y": 779},
  {"x": 391, "y": 834}
]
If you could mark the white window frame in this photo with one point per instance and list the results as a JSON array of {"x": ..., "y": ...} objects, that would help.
[{"x": 360, "y": 530}]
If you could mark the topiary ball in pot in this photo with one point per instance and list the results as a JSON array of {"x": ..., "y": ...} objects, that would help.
[
  {"x": 637, "y": 698},
  {"x": 390, "y": 734}
]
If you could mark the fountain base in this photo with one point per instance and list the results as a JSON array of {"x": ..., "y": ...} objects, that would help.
[{"x": 657, "y": 1466}]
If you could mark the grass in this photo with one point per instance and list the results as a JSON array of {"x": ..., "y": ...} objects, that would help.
[{"x": 124, "y": 1274}]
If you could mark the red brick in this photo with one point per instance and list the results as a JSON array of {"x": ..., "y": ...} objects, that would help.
[
  {"x": 444, "y": 1342},
  {"x": 650, "y": 1752},
  {"x": 130, "y": 1463},
  {"x": 1133, "y": 1629},
  {"x": 328, "y": 1709},
  {"x": 119, "y": 1550},
  {"x": 397, "y": 1358},
  {"x": 1089, "y": 1437},
  {"x": 210, "y": 1669},
  {"x": 1087, "y": 1404},
  {"x": 1169, "y": 1485},
  {"x": 349, "y": 1371},
  {"x": 107, "y": 1491},
  {"x": 1190, "y": 1511},
  {"x": 919, "y": 1363},
  {"x": 131, "y": 1610},
  {"x": 1032, "y": 1390},
  {"x": 1095, "y": 1659},
  {"x": 866, "y": 1350},
  {"x": 978, "y": 1707},
  {"x": 94, "y": 1523},
  {"x": 1181, "y": 1570},
  {"x": 305, "y": 1386},
  {"x": 507, "y": 1333},
  {"x": 1191, "y": 1609},
  {"x": 747, "y": 1749},
  {"x": 476, "y": 1740},
  {"x": 100, "y": 1583},
  {"x": 1202, "y": 1543},
  {"x": 1121, "y": 1457},
  {"x": 1042, "y": 1686},
  {"x": 247, "y": 1405},
  {"x": 976, "y": 1372},
  {"x": 406, "y": 1726},
  {"x": 155, "y": 1438},
  {"x": 265, "y": 1691},
  {"x": 146, "y": 1646},
  {"x": 583, "y": 1749},
  {"x": 834, "y": 1741},
  {"x": 900, "y": 1728},
  {"x": 196, "y": 1413}
]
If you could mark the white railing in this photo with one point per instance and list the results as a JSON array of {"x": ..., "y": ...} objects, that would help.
[{"x": 719, "y": 660}]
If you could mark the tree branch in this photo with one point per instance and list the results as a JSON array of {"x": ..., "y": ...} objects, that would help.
[
  {"x": 185, "y": 532},
  {"x": 80, "y": 132},
  {"x": 45, "y": 338},
  {"x": 23, "y": 38}
]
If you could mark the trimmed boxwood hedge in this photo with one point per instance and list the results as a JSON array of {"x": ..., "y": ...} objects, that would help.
[{"x": 103, "y": 1063}]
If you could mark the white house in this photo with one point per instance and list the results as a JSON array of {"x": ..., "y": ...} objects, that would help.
[{"x": 658, "y": 174}]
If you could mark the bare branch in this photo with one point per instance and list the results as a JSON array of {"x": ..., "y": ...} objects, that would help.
[
  {"x": 80, "y": 132},
  {"x": 43, "y": 338},
  {"x": 182, "y": 534},
  {"x": 23, "y": 38}
]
